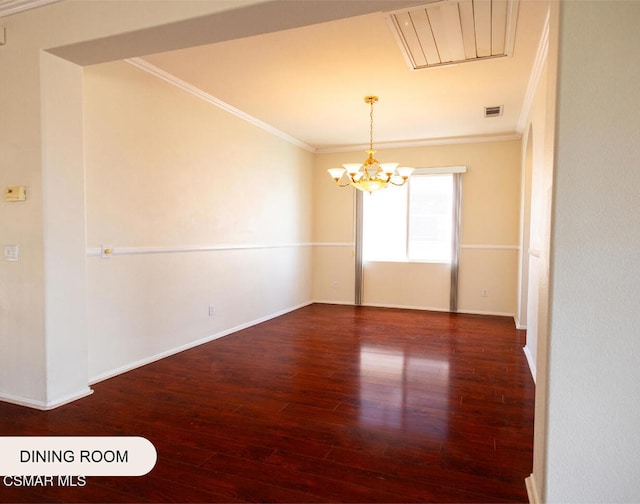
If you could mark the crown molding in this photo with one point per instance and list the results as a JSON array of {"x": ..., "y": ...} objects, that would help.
[
  {"x": 199, "y": 93},
  {"x": 499, "y": 137},
  {"x": 8, "y": 7}
]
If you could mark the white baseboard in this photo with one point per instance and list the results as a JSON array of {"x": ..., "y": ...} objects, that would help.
[
  {"x": 192, "y": 344},
  {"x": 422, "y": 308},
  {"x": 406, "y": 307},
  {"x": 45, "y": 405},
  {"x": 440, "y": 309},
  {"x": 530, "y": 361},
  {"x": 491, "y": 313},
  {"x": 330, "y": 301},
  {"x": 532, "y": 491}
]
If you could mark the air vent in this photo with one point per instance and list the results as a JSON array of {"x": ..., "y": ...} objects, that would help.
[
  {"x": 493, "y": 111},
  {"x": 454, "y": 31}
]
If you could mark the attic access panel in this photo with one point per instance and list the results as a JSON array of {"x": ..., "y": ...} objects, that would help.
[{"x": 454, "y": 31}]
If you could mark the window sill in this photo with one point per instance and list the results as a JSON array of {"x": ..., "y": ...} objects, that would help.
[{"x": 412, "y": 261}]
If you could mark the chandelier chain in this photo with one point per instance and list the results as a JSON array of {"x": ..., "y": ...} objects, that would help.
[{"x": 371, "y": 126}]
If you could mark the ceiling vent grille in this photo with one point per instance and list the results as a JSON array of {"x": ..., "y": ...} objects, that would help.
[
  {"x": 454, "y": 31},
  {"x": 493, "y": 111}
]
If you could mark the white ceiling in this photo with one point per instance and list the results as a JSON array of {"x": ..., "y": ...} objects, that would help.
[{"x": 310, "y": 82}]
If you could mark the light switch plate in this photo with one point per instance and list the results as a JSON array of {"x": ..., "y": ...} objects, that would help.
[{"x": 11, "y": 253}]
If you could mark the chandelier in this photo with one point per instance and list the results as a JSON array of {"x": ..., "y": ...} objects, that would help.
[{"x": 370, "y": 175}]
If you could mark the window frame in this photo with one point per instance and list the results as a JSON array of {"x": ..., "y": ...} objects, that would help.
[{"x": 455, "y": 211}]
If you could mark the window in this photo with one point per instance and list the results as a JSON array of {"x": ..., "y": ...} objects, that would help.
[
  {"x": 414, "y": 222},
  {"x": 430, "y": 226}
]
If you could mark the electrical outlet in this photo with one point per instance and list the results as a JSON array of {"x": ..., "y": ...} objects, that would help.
[
  {"x": 211, "y": 310},
  {"x": 334, "y": 284},
  {"x": 485, "y": 293},
  {"x": 11, "y": 253},
  {"x": 15, "y": 193}
]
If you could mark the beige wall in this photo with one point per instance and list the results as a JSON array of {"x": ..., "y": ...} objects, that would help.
[
  {"x": 43, "y": 296},
  {"x": 42, "y": 308},
  {"x": 333, "y": 234},
  {"x": 42, "y": 325},
  {"x": 407, "y": 285},
  {"x": 180, "y": 190},
  {"x": 489, "y": 233}
]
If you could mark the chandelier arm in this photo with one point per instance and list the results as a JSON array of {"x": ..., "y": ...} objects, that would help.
[{"x": 397, "y": 184}]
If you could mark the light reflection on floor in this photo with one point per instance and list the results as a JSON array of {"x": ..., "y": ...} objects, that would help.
[{"x": 403, "y": 391}]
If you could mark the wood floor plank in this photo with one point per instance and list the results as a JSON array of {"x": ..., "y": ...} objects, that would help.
[{"x": 324, "y": 404}]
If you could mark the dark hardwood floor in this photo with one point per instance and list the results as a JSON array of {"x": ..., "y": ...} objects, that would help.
[{"x": 327, "y": 403}]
